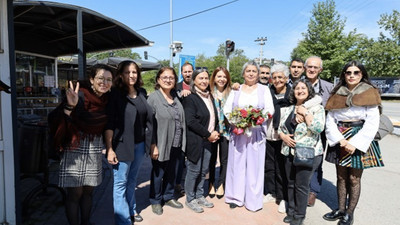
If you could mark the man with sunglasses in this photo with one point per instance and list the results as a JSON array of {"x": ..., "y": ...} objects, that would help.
[
  {"x": 313, "y": 67},
  {"x": 265, "y": 75}
]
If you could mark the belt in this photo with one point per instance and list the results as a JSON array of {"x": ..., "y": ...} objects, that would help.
[{"x": 351, "y": 124}]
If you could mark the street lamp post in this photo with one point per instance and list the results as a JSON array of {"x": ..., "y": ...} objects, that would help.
[
  {"x": 171, "y": 46},
  {"x": 261, "y": 41}
]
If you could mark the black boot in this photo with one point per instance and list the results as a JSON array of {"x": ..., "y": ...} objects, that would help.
[
  {"x": 297, "y": 221},
  {"x": 347, "y": 219},
  {"x": 334, "y": 215}
]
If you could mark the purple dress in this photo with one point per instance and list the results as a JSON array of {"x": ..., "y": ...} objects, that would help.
[{"x": 245, "y": 171}]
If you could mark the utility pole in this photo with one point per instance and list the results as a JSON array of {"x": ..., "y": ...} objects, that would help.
[
  {"x": 171, "y": 46},
  {"x": 261, "y": 41}
]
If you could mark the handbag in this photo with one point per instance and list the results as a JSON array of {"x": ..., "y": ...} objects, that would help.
[
  {"x": 385, "y": 127},
  {"x": 304, "y": 156}
]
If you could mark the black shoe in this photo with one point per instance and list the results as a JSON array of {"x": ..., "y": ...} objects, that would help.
[
  {"x": 174, "y": 204},
  {"x": 297, "y": 221},
  {"x": 157, "y": 209},
  {"x": 347, "y": 219},
  {"x": 232, "y": 205},
  {"x": 288, "y": 219},
  {"x": 137, "y": 218},
  {"x": 334, "y": 215}
]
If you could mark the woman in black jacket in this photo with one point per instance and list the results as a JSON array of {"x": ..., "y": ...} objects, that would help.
[
  {"x": 128, "y": 136},
  {"x": 201, "y": 119}
]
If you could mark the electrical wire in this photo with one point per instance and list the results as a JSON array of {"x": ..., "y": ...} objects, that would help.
[{"x": 190, "y": 15}]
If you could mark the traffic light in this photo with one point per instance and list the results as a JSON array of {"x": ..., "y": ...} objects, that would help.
[
  {"x": 229, "y": 47},
  {"x": 146, "y": 56}
]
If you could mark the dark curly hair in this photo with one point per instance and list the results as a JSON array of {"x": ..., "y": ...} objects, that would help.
[{"x": 310, "y": 88}]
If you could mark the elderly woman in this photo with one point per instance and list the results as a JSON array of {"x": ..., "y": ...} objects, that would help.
[
  {"x": 202, "y": 131},
  {"x": 169, "y": 138},
  {"x": 351, "y": 125},
  {"x": 274, "y": 174},
  {"x": 220, "y": 85},
  {"x": 244, "y": 179},
  {"x": 78, "y": 124},
  {"x": 128, "y": 137},
  {"x": 295, "y": 135}
]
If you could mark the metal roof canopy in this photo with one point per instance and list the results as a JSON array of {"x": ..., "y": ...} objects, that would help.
[{"x": 57, "y": 29}]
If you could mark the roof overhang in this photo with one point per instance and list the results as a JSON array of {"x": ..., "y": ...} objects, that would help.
[{"x": 50, "y": 28}]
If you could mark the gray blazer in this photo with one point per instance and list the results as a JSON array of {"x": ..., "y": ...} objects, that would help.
[
  {"x": 164, "y": 124},
  {"x": 323, "y": 88}
]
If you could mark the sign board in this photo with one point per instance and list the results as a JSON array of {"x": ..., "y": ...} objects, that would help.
[
  {"x": 389, "y": 86},
  {"x": 185, "y": 59}
]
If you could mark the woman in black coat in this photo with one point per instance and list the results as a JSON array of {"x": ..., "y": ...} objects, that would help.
[
  {"x": 201, "y": 119},
  {"x": 128, "y": 137}
]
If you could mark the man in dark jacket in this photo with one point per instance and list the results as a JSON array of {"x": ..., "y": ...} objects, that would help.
[{"x": 313, "y": 67}]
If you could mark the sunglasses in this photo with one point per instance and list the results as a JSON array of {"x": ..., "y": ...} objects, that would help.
[{"x": 356, "y": 73}]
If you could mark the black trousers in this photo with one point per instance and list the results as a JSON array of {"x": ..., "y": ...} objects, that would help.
[
  {"x": 162, "y": 180},
  {"x": 275, "y": 182},
  {"x": 299, "y": 185},
  {"x": 223, "y": 145}
]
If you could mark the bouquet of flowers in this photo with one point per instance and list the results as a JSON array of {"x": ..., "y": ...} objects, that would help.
[{"x": 244, "y": 118}]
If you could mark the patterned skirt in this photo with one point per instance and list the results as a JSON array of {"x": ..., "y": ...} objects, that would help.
[
  {"x": 82, "y": 166},
  {"x": 359, "y": 159}
]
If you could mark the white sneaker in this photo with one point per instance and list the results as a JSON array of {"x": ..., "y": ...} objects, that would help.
[
  {"x": 282, "y": 207},
  {"x": 268, "y": 198}
]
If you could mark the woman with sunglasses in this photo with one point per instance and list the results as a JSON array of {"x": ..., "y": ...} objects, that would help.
[
  {"x": 351, "y": 125},
  {"x": 128, "y": 138},
  {"x": 78, "y": 125}
]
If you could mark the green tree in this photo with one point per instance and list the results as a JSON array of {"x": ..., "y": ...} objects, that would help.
[
  {"x": 391, "y": 23},
  {"x": 325, "y": 38},
  {"x": 381, "y": 57}
]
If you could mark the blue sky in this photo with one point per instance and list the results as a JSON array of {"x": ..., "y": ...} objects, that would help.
[{"x": 282, "y": 22}]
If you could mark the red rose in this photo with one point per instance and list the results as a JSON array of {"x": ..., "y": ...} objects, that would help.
[
  {"x": 260, "y": 120},
  {"x": 238, "y": 131},
  {"x": 235, "y": 130},
  {"x": 269, "y": 115},
  {"x": 244, "y": 113}
]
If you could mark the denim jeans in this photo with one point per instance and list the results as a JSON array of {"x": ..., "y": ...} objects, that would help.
[
  {"x": 125, "y": 176},
  {"x": 196, "y": 173}
]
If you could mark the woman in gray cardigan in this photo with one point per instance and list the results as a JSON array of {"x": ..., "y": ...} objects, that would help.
[{"x": 169, "y": 138}]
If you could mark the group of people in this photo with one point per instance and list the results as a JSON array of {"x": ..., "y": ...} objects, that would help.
[{"x": 188, "y": 124}]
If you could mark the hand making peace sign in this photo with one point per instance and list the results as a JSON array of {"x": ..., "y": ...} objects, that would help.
[{"x": 72, "y": 94}]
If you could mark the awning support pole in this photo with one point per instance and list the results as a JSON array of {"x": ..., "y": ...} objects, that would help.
[{"x": 81, "y": 52}]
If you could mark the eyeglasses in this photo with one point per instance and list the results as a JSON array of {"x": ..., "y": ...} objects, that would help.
[
  {"x": 356, "y": 73},
  {"x": 167, "y": 78},
  {"x": 313, "y": 67},
  {"x": 104, "y": 80}
]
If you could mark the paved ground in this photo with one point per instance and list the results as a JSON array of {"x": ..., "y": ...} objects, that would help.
[{"x": 379, "y": 202}]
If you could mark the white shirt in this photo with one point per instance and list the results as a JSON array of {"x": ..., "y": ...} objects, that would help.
[
  {"x": 365, "y": 136},
  {"x": 247, "y": 99}
]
